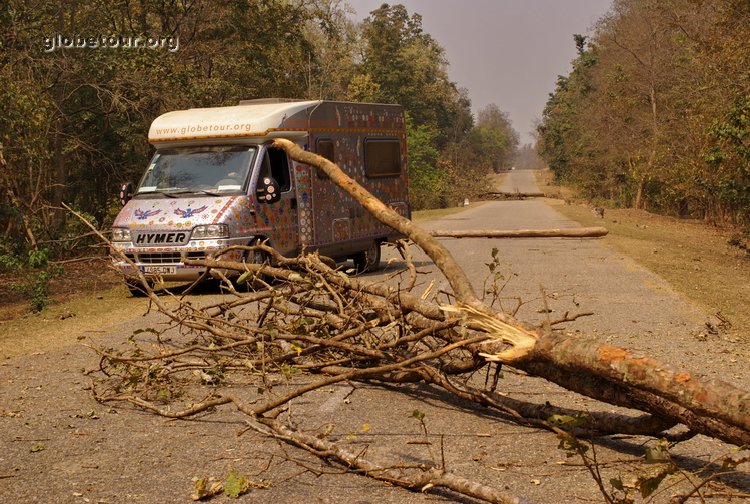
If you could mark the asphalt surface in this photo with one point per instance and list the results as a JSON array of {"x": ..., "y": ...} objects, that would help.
[{"x": 97, "y": 453}]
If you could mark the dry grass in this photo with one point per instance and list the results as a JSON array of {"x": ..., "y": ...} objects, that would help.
[
  {"x": 691, "y": 255},
  {"x": 66, "y": 322},
  {"x": 421, "y": 216},
  {"x": 87, "y": 298}
]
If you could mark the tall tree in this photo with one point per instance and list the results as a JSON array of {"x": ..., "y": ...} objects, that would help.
[
  {"x": 563, "y": 129},
  {"x": 333, "y": 37},
  {"x": 399, "y": 63},
  {"x": 724, "y": 60},
  {"x": 407, "y": 66}
]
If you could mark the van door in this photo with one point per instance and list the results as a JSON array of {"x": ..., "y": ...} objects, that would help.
[{"x": 278, "y": 221}]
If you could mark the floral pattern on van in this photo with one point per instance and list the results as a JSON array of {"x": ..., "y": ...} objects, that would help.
[
  {"x": 277, "y": 221},
  {"x": 330, "y": 204},
  {"x": 303, "y": 180}
]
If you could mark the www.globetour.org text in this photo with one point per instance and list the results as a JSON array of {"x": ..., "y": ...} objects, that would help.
[{"x": 78, "y": 41}]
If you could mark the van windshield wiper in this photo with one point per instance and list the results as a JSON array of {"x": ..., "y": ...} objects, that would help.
[
  {"x": 194, "y": 191},
  {"x": 180, "y": 192},
  {"x": 168, "y": 194}
]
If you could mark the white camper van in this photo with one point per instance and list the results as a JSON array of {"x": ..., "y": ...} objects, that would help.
[{"x": 215, "y": 181}]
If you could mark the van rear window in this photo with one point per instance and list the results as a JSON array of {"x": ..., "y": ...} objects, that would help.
[
  {"x": 324, "y": 147},
  {"x": 382, "y": 158}
]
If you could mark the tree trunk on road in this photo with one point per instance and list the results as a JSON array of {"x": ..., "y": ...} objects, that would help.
[
  {"x": 511, "y": 195},
  {"x": 586, "y": 232}
]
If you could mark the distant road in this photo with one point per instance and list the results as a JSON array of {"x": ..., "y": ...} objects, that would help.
[{"x": 519, "y": 181}]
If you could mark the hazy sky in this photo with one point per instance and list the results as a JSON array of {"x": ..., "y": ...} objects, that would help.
[{"x": 507, "y": 52}]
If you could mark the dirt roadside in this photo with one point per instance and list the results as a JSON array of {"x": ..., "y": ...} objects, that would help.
[{"x": 695, "y": 258}]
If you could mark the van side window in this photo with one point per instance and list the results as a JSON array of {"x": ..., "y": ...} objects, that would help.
[
  {"x": 324, "y": 148},
  {"x": 382, "y": 158},
  {"x": 276, "y": 164}
]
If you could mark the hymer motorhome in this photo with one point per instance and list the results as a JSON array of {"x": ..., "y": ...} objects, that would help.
[{"x": 215, "y": 180}]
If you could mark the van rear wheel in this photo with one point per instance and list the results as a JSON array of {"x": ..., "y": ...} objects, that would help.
[{"x": 367, "y": 260}]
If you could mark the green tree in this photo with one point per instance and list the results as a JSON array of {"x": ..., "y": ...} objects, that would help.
[
  {"x": 333, "y": 38},
  {"x": 563, "y": 130},
  {"x": 407, "y": 66},
  {"x": 428, "y": 183},
  {"x": 722, "y": 61},
  {"x": 493, "y": 139},
  {"x": 399, "y": 63}
]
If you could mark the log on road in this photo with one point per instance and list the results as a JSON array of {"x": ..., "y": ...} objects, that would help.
[
  {"x": 585, "y": 232},
  {"x": 510, "y": 195}
]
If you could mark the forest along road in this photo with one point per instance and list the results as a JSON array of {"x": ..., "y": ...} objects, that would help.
[{"x": 59, "y": 445}]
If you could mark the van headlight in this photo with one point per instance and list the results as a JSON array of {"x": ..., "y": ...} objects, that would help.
[
  {"x": 121, "y": 235},
  {"x": 210, "y": 231}
]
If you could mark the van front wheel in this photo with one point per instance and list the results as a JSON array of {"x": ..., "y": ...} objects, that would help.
[
  {"x": 258, "y": 281},
  {"x": 367, "y": 260},
  {"x": 136, "y": 287}
]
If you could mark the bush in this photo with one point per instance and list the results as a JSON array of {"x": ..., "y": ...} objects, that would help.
[
  {"x": 741, "y": 241},
  {"x": 34, "y": 274}
]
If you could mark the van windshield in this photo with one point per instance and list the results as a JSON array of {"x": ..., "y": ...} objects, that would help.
[{"x": 215, "y": 170}]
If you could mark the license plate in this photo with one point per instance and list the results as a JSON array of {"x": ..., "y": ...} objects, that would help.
[{"x": 160, "y": 270}]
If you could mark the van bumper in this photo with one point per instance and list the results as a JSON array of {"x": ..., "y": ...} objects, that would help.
[{"x": 168, "y": 263}]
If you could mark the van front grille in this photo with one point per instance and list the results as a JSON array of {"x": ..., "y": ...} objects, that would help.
[
  {"x": 165, "y": 258},
  {"x": 196, "y": 256}
]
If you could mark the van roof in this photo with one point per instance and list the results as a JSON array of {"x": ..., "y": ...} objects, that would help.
[{"x": 251, "y": 118}]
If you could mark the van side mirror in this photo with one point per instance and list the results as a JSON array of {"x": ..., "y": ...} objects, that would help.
[
  {"x": 126, "y": 192},
  {"x": 268, "y": 190}
]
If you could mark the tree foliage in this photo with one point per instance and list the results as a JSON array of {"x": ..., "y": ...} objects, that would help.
[
  {"x": 401, "y": 63},
  {"x": 651, "y": 115},
  {"x": 493, "y": 139}
]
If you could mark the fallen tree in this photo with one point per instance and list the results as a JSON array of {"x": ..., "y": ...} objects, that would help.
[
  {"x": 723, "y": 410},
  {"x": 304, "y": 315},
  {"x": 508, "y": 195},
  {"x": 584, "y": 232}
]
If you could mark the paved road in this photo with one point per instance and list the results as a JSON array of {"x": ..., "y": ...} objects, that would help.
[{"x": 94, "y": 452}]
